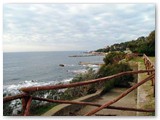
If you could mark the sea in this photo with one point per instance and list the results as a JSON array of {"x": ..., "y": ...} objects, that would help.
[{"x": 24, "y": 69}]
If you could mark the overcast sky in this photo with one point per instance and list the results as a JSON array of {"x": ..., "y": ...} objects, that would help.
[{"x": 65, "y": 27}]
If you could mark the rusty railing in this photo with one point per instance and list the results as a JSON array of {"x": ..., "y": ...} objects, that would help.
[
  {"x": 149, "y": 65},
  {"x": 27, "y": 98}
]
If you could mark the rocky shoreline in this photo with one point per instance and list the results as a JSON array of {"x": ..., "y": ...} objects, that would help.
[
  {"x": 89, "y": 54},
  {"x": 89, "y": 63}
]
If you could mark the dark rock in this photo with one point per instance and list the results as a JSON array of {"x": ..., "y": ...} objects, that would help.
[{"x": 62, "y": 65}]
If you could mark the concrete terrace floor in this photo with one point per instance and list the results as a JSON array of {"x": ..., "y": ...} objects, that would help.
[{"x": 127, "y": 101}]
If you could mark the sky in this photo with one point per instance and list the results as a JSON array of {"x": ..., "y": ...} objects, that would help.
[{"x": 67, "y": 27}]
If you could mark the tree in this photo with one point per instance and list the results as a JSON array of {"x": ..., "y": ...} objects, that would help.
[{"x": 143, "y": 45}]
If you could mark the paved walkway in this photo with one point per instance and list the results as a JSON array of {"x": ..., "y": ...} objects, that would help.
[
  {"x": 139, "y": 98},
  {"x": 127, "y": 101}
]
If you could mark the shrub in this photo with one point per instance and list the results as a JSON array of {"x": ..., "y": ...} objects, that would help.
[
  {"x": 72, "y": 93},
  {"x": 114, "y": 57},
  {"x": 122, "y": 81},
  {"x": 90, "y": 74},
  {"x": 115, "y": 67}
]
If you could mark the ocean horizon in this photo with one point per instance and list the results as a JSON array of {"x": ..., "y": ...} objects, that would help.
[{"x": 22, "y": 69}]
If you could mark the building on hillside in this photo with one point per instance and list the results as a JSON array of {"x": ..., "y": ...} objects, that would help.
[{"x": 128, "y": 51}]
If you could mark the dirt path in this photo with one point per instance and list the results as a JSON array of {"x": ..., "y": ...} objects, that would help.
[{"x": 127, "y": 101}]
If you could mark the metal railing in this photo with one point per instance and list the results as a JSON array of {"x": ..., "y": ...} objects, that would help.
[
  {"x": 27, "y": 97},
  {"x": 149, "y": 65}
]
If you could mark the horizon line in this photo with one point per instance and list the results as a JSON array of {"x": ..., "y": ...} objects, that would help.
[{"x": 48, "y": 51}]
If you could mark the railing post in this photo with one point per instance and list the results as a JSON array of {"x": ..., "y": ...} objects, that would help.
[
  {"x": 153, "y": 80},
  {"x": 149, "y": 65},
  {"x": 27, "y": 109},
  {"x": 154, "y": 89},
  {"x": 24, "y": 103},
  {"x": 145, "y": 62},
  {"x": 153, "y": 84}
]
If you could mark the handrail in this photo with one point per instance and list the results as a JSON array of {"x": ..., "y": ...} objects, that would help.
[
  {"x": 51, "y": 87},
  {"x": 27, "y": 98},
  {"x": 38, "y": 88},
  {"x": 91, "y": 104},
  {"x": 120, "y": 96},
  {"x": 146, "y": 57},
  {"x": 10, "y": 98},
  {"x": 149, "y": 65}
]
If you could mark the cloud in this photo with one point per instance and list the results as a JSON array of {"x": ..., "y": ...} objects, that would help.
[{"x": 43, "y": 27}]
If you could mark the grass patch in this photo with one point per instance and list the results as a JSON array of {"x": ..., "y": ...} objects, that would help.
[
  {"x": 152, "y": 59},
  {"x": 140, "y": 59},
  {"x": 42, "y": 109},
  {"x": 137, "y": 59},
  {"x": 146, "y": 88}
]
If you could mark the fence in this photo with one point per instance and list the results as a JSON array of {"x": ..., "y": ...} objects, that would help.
[
  {"x": 27, "y": 98},
  {"x": 149, "y": 65}
]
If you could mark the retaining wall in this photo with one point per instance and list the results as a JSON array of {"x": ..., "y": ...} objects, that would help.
[{"x": 69, "y": 109}]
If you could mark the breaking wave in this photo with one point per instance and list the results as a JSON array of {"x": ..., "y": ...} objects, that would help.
[
  {"x": 16, "y": 105},
  {"x": 78, "y": 71},
  {"x": 13, "y": 89}
]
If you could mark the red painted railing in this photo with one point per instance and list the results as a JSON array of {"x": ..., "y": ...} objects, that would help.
[{"x": 27, "y": 98}]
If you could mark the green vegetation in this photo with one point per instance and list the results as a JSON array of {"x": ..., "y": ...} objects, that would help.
[
  {"x": 38, "y": 110},
  {"x": 141, "y": 45},
  {"x": 114, "y": 62},
  {"x": 113, "y": 57},
  {"x": 138, "y": 59},
  {"x": 7, "y": 109},
  {"x": 146, "y": 90},
  {"x": 79, "y": 91},
  {"x": 90, "y": 74},
  {"x": 113, "y": 67},
  {"x": 39, "y": 107}
]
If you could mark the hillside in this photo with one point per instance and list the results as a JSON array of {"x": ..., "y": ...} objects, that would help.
[{"x": 140, "y": 45}]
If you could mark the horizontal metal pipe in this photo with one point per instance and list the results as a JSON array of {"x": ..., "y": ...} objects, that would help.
[
  {"x": 51, "y": 87},
  {"x": 9, "y": 98},
  {"x": 92, "y": 104},
  {"x": 120, "y": 96}
]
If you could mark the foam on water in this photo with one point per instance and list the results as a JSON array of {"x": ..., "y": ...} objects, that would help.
[
  {"x": 78, "y": 71},
  {"x": 14, "y": 88},
  {"x": 91, "y": 66},
  {"x": 70, "y": 65},
  {"x": 39, "y": 68}
]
